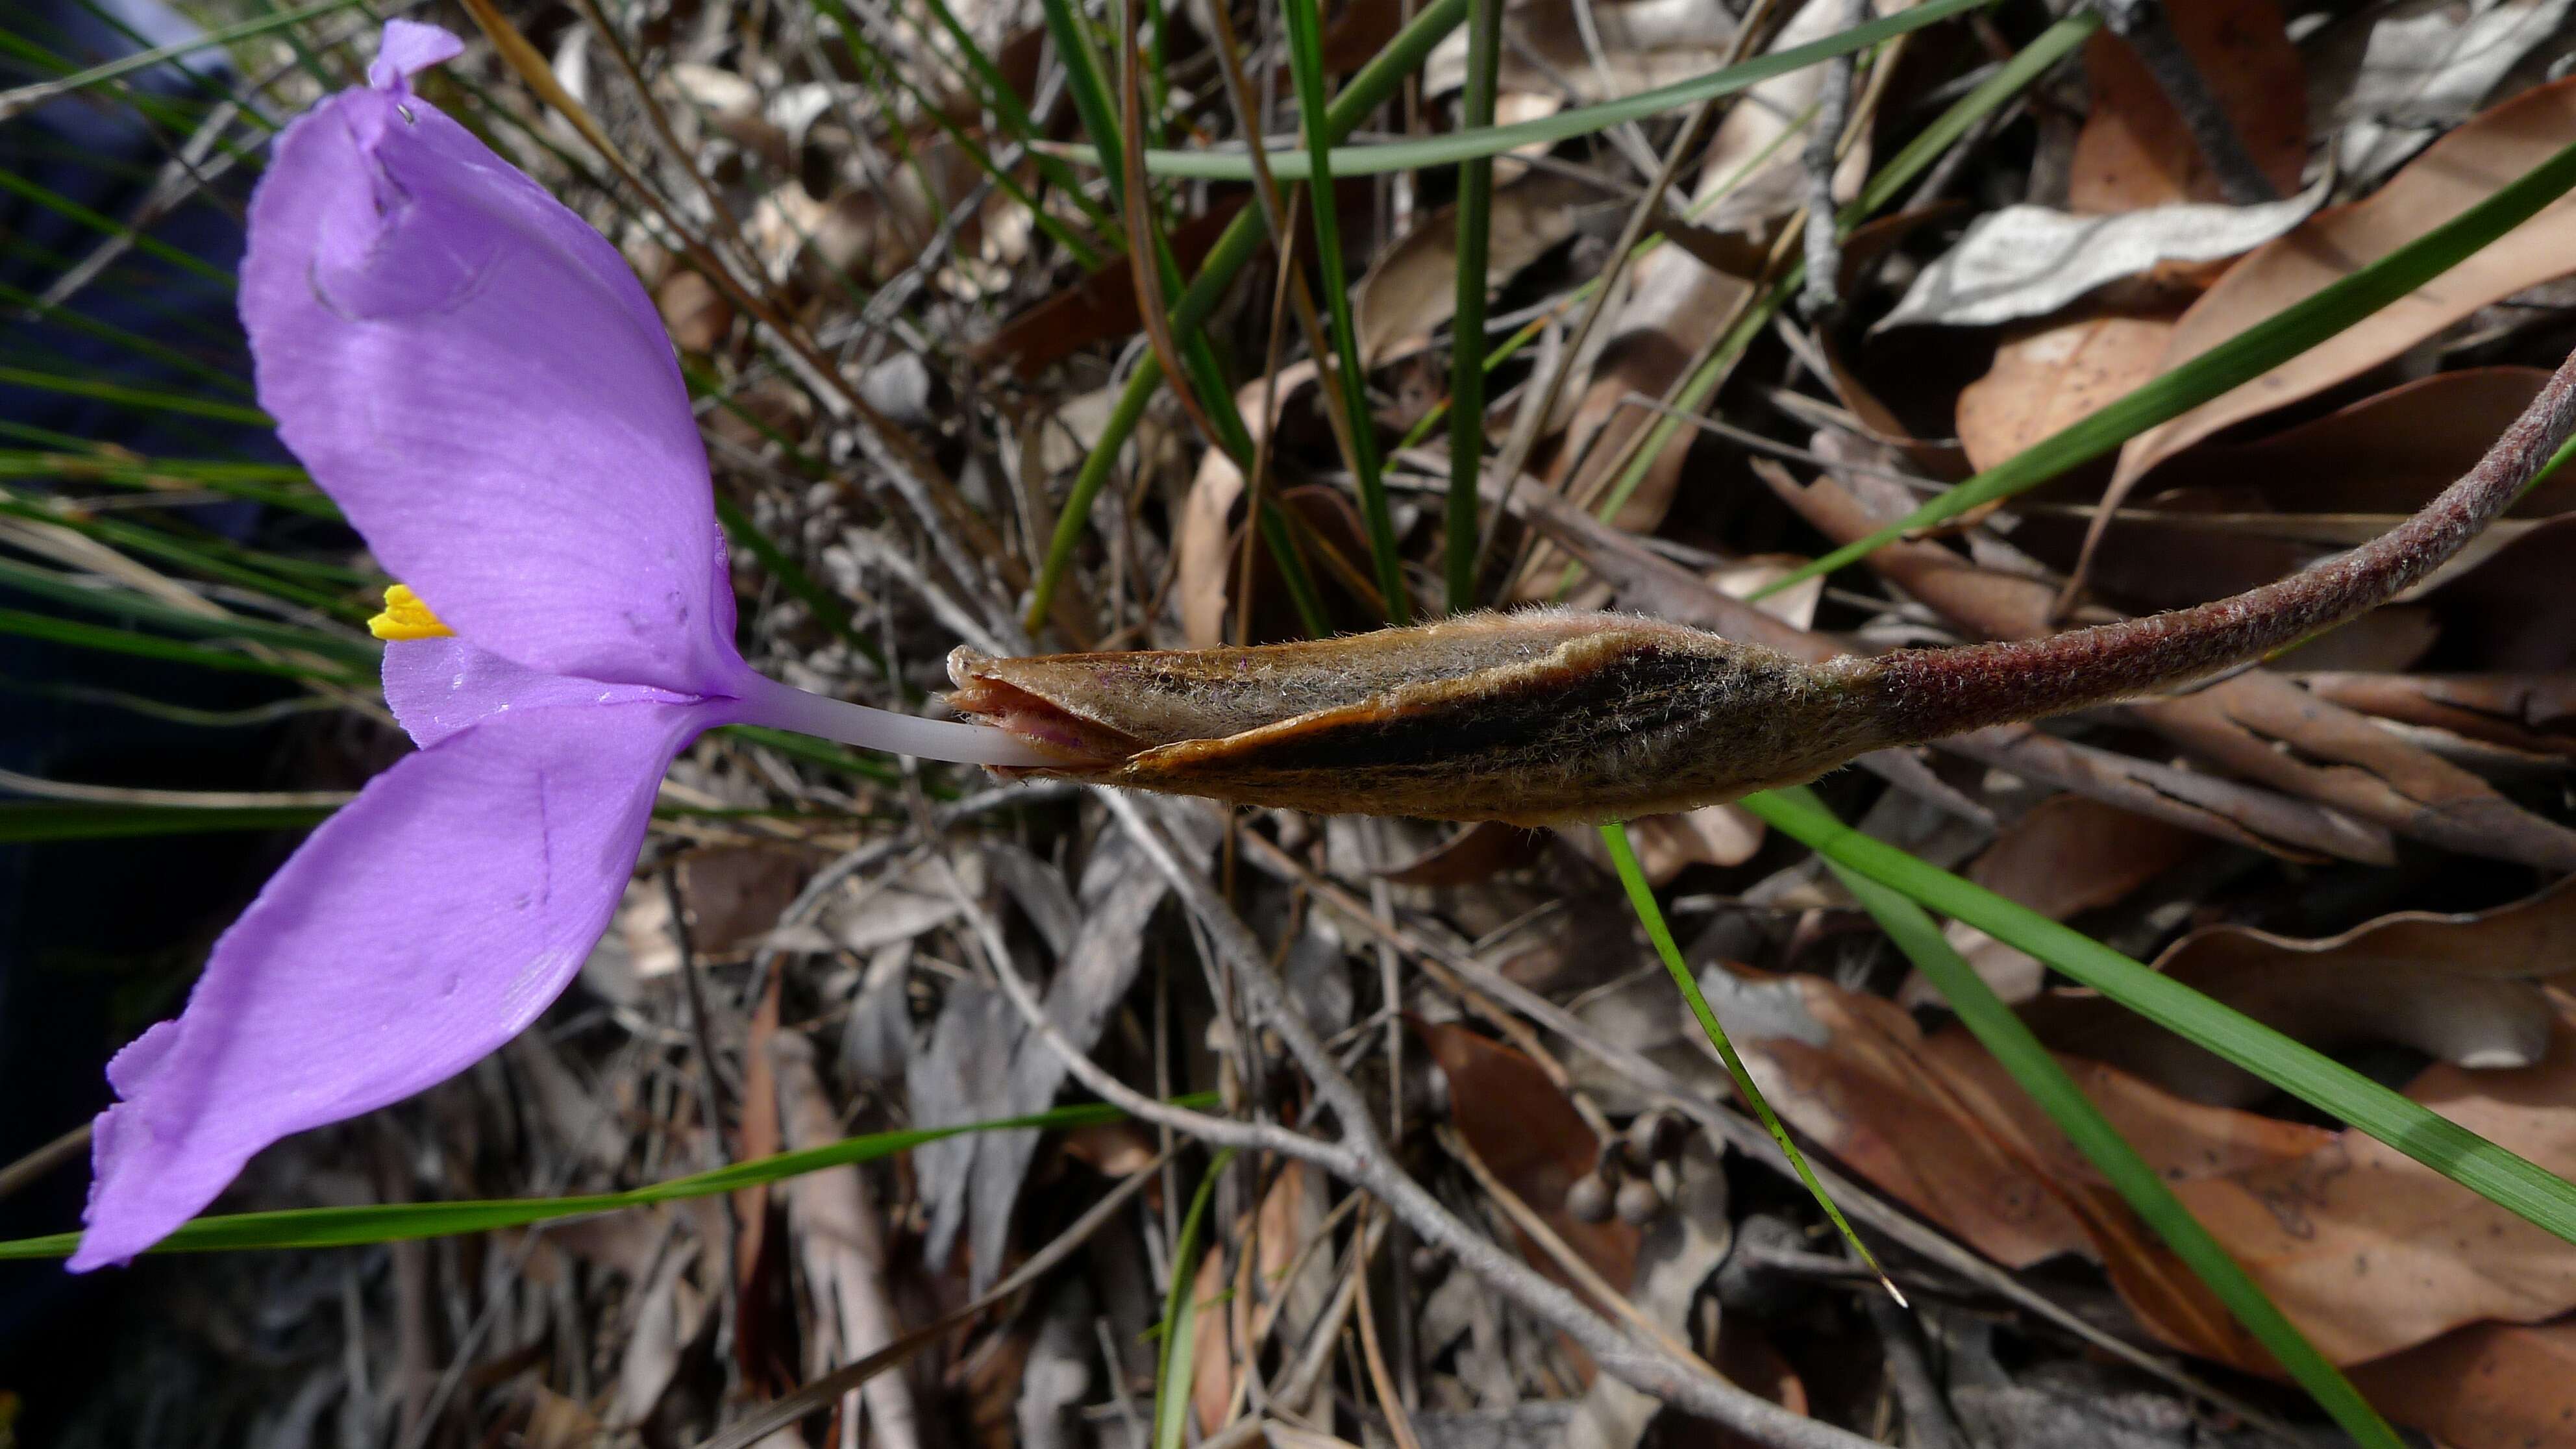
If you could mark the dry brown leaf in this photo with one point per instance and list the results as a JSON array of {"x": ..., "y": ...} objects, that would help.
[
  {"x": 1208, "y": 542},
  {"x": 698, "y": 315},
  {"x": 2070, "y": 855},
  {"x": 2248, "y": 515},
  {"x": 2463, "y": 168},
  {"x": 1113, "y": 1149},
  {"x": 1411, "y": 288},
  {"x": 840, "y": 1241},
  {"x": 734, "y": 894},
  {"x": 1667, "y": 845},
  {"x": 2030, "y": 261},
  {"x": 1519, "y": 1122},
  {"x": 2514, "y": 613},
  {"x": 2388, "y": 452},
  {"x": 2456, "y": 987},
  {"x": 2066, "y": 856},
  {"x": 2528, "y": 712},
  {"x": 759, "y": 1267},
  {"x": 2487, "y": 1386},
  {"x": 2370, "y": 1251},
  {"x": 1937, "y": 1124},
  {"x": 1477, "y": 853},
  {"x": 2045, "y": 379},
  {"x": 1289, "y": 1219},
  {"x": 670, "y": 1309},
  {"x": 1203, "y": 538},
  {"x": 2135, "y": 151},
  {"x": 1099, "y": 308},
  {"x": 2384, "y": 79},
  {"x": 1721, "y": 835},
  {"x": 552, "y": 1421},
  {"x": 1677, "y": 307}
]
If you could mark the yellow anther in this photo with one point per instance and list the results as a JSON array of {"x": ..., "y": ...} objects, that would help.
[{"x": 406, "y": 617}]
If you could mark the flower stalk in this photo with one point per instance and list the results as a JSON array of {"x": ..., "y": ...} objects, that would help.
[{"x": 1556, "y": 718}]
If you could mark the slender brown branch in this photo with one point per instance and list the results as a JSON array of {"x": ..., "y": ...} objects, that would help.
[
  {"x": 44, "y": 1159},
  {"x": 2141, "y": 24}
]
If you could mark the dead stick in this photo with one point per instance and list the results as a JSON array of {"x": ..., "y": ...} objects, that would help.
[
  {"x": 1362, "y": 1160},
  {"x": 2141, "y": 25},
  {"x": 1822, "y": 290}
]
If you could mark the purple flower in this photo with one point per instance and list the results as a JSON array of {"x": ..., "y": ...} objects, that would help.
[{"x": 479, "y": 381}]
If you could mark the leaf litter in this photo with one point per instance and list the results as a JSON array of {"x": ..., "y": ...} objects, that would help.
[{"x": 2356, "y": 846}]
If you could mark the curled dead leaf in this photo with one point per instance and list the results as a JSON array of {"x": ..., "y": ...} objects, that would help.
[
  {"x": 2460, "y": 988},
  {"x": 1411, "y": 287},
  {"x": 2463, "y": 168}
]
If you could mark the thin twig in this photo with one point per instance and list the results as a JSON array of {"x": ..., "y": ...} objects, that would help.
[
  {"x": 1361, "y": 1159},
  {"x": 771, "y": 1417},
  {"x": 1928, "y": 1422},
  {"x": 1823, "y": 292},
  {"x": 1399, "y": 1424},
  {"x": 2141, "y": 24},
  {"x": 1748, "y": 1138},
  {"x": 43, "y": 1160}
]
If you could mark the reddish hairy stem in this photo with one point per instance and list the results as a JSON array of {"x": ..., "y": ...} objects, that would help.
[{"x": 1928, "y": 693}]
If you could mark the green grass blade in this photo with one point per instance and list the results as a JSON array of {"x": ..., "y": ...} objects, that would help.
[
  {"x": 2037, "y": 1072},
  {"x": 77, "y": 635},
  {"x": 213, "y": 558},
  {"x": 1207, "y": 381},
  {"x": 398, "y": 1222},
  {"x": 135, "y": 342},
  {"x": 1457, "y": 146},
  {"x": 172, "y": 114},
  {"x": 2239, "y": 360},
  {"x": 2027, "y": 66},
  {"x": 1306, "y": 65},
  {"x": 27, "y": 821},
  {"x": 105, "y": 225},
  {"x": 283, "y": 487},
  {"x": 1641, "y": 896},
  {"x": 20, "y": 99},
  {"x": 1087, "y": 256},
  {"x": 122, "y": 603},
  {"x": 1016, "y": 121},
  {"x": 2494, "y": 1173},
  {"x": 1467, "y": 360},
  {"x": 1235, "y": 248},
  {"x": 1086, "y": 82},
  {"x": 135, "y": 397},
  {"x": 1176, "y": 1363}
]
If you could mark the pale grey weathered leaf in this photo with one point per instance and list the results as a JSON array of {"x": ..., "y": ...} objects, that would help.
[
  {"x": 2027, "y": 261},
  {"x": 2388, "y": 80}
]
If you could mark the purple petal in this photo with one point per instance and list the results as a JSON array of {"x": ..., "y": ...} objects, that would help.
[
  {"x": 414, "y": 933},
  {"x": 439, "y": 686},
  {"x": 409, "y": 48},
  {"x": 479, "y": 381}
]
